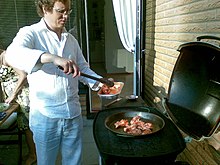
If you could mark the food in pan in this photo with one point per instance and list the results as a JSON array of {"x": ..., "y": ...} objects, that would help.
[
  {"x": 112, "y": 92},
  {"x": 105, "y": 89},
  {"x": 109, "y": 90},
  {"x": 135, "y": 126}
]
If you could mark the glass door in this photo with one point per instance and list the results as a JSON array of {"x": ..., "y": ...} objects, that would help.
[
  {"x": 96, "y": 42},
  {"x": 89, "y": 30},
  {"x": 98, "y": 36}
]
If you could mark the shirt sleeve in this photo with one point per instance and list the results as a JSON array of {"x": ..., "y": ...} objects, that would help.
[
  {"x": 85, "y": 68},
  {"x": 20, "y": 52}
]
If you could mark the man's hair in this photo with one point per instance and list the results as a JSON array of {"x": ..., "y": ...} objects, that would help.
[{"x": 47, "y": 4}]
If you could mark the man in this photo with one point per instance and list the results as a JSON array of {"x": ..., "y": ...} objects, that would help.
[{"x": 55, "y": 112}]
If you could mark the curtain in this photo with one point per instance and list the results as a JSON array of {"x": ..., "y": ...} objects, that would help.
[
  {"x": 128, "y": 16},
  {"x": 125, "y": 14}
]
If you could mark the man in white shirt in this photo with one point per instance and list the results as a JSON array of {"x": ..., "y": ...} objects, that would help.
[{"x": 55, "y": 112}]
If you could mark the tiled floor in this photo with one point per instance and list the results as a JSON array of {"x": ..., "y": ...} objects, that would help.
[{"x": 90, "y": 152}]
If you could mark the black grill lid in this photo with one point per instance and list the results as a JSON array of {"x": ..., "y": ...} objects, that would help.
[{"x": 193, "y": 100}]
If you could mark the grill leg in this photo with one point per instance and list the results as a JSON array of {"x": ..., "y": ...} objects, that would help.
[{"x": 100, "y": 160}]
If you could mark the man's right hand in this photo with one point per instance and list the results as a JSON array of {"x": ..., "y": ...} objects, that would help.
[{"x": 68, "y": 65}]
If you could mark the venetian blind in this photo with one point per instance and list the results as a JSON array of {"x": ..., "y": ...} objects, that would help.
[{"x": 15, "y": 14}]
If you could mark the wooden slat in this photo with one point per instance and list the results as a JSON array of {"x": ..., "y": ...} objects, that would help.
[
  {"x": 199, "y": 153},
  {"x": 201, "y": 148}
]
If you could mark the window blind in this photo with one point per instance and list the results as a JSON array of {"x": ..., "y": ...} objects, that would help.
[{"x": 15, "y": 14}]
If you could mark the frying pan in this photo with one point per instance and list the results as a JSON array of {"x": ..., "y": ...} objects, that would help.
[
  {"x": 158, "y": 122},
  {"x": 102, "y": 80}
]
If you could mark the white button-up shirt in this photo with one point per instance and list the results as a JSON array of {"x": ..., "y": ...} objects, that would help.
[{"x": 52, "y": 92}]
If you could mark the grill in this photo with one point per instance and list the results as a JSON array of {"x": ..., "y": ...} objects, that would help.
[
  {"x": 155, "y": 148},
  {"x": 192, "y": 105}
]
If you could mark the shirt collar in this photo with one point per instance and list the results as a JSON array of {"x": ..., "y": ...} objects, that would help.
[{"x": 44, "y": 27}]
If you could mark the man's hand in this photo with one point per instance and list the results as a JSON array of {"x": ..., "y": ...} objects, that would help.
[{"x": 68, "y": 65}]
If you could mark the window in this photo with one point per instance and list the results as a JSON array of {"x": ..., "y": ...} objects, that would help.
[{"x": 15, "y": 14}]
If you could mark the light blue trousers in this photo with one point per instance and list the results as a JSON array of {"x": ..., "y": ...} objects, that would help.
[{"x": 52, "y": 136}]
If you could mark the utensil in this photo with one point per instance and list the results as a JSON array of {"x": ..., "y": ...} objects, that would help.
[
  {"x": 131, "y": 97},
  {"x": 157, "y": 122},
  {"x": 112, "y": 102},
  {"x": 102, "y": 80}
]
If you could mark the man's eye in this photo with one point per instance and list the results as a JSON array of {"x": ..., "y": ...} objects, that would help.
[{"x": 61, "y": 11}]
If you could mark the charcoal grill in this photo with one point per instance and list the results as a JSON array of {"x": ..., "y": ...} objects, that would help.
[
  {"x": 192, "y": 104},
  {"x": 155, "y": 148}
]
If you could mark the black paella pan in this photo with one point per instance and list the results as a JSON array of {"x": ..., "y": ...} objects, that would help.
[{"x": 157, "y": 122}]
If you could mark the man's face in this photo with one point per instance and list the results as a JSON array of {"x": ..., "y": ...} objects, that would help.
[{"x": 57, "y": 17}]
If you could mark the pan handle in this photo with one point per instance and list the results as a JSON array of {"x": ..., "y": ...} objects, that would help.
[{"x": 207, "y": 37}]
